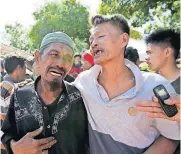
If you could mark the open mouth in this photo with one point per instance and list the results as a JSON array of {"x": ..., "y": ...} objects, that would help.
[
  {"x": 59, "y": 74},
  {"x": 98, "y": 52}
]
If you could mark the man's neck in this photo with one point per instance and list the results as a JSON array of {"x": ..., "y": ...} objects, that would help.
[
  {"x": 13, "y": 78},
  {"x": 113, "y": 72},
  {"x": 46, "y": 93},
  {"x": 171, "y": 72},
  {"x": 116, "y": 78}
]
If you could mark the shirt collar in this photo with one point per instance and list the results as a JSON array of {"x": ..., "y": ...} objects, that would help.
[{"x": 97, "y": 69}]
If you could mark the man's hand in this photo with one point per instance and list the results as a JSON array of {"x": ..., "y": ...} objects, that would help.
[
  {"x": 2, "y": 116},
  {"x": 29, "y": 145},
  {"x": 154, "y": 110}
]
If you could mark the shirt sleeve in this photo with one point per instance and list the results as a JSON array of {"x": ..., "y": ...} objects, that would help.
[
  {"x": 9, "y": 127},
  {"x": 169, "y": 129}
]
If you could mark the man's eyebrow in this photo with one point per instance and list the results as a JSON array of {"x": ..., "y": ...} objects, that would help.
[{"x": 54, "y": 50}]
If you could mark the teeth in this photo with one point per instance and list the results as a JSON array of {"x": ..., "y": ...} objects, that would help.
[
  {"x": 55, "y": 74},
  {"x": 98, "y": 53}
]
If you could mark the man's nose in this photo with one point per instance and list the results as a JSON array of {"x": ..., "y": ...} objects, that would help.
[
  {"x": 60, "y": 63},
  {"x": 93, "y": 43},
  {"x": 147, "y": 59}
]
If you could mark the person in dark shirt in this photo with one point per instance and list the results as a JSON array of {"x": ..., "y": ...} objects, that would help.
[
  {"x": 163, "y": 48},
  {"x": 48, "y": 115}
]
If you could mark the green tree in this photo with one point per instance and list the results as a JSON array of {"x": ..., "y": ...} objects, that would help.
[
  {"x": 80, "y": 44},
  {"x": 17, "y": 36},
  {"x": 165, "y": 16},
  {"x": 154, "y": 13},
  {"x": 69, "y": 16}
]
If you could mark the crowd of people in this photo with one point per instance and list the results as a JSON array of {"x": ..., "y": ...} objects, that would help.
[{"x": 99, "y": 102}]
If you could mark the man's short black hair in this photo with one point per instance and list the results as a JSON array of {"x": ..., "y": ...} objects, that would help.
[
  {"x": 131, "y": 54},
  {"x": 117, "y": 20},
  {"x": 11, "y": 62},
  {"x": 167, "y": 37}
]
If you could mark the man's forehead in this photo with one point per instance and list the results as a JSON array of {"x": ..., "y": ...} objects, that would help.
[
  {"x": 99, "y": 28},
  {"x": 59, "y": 45},
  {"x": 151, "y": 46},
  {"x": 148, "y": 47}
]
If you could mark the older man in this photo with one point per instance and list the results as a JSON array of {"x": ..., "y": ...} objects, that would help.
[{"x": 50, "y": 104}]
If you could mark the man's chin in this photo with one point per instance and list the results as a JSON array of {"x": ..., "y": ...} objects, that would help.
[
  {"x": 98, "y": 61},
  {"x": 54, "y": 85}
]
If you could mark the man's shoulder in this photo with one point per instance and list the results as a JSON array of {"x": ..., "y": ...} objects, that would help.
[
  {"x": 74, "y": 94},
  {"x": 152, "y": 80},
  {"x": 89, "y": 75},
  {"x": 154, "y": 77},
  {"x": 70, "y": 87},
  {"x": 6, "y": 88},
  {"x": 27, "y": 88}
]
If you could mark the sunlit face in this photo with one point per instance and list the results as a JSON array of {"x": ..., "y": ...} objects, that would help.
[
  {"x": 86, "y": 65},
  {"x": 155, "y": 56},
  {"x": 55, "y": 62},
  {"x": 107, "y": 42}
]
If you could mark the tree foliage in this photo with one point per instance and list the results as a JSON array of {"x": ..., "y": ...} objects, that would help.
[
  {"x": 17, "y": 36},
  {"x": 69, "y": 16},
  {"x": 154, "y": 13}
]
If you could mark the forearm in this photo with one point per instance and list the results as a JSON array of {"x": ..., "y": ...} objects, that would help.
[{"x": 162, "y": 145}]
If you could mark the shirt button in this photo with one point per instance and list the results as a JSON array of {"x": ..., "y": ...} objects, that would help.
[
  {"x": 48, "y": 126},
  {"x": 45, "y": 107}
]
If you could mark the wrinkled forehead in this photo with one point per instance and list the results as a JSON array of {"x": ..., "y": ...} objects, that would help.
[
  {"x": 106, "y": 27},
  {"x": 59, "y": 47},
  {"x": 99, "y": 29}
]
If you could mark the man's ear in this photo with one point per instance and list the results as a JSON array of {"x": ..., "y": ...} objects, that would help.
[
  {"x": 168, "y": 52},
  {"x": 37, "y": 56},
  {"x": 125, "y": 39},
  {"x": 18, "y": 69}
]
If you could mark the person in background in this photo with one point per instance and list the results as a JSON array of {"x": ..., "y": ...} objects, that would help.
[
  {"x": 2, "y": 71},
  {"x": 132, "y": 55},
  {"x": 16, "y": 70},
  {"x": 163, "y": 48},
  {"x": 88, "y": 60},
  {"x": 77, "y": 66}
]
